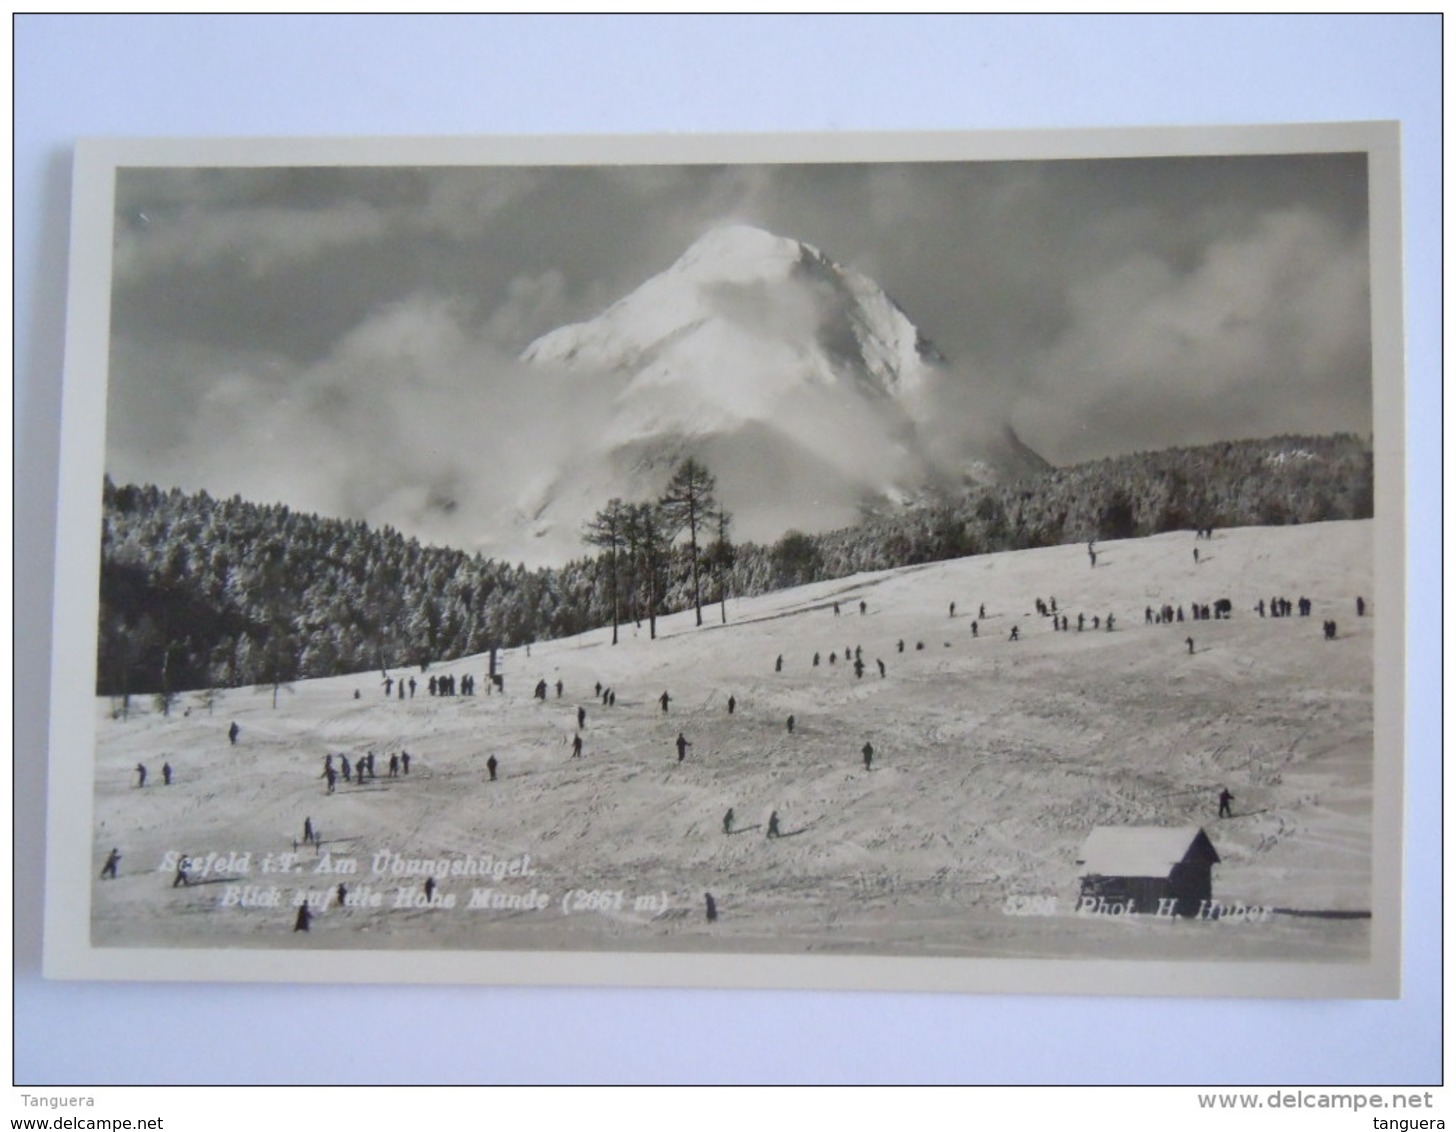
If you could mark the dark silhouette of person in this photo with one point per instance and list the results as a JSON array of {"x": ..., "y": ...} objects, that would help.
[
  {"x": 728, "y": 821},
  {"x": 682, "y": 747},
  {"x": 779, "y": 664},
  {"x": 664, "y": 700},
  {"x": 952, "y": 609},
  {"x": 393, "y": 766},
  {"x": 773, "y": 824},
  {"x": 181, "y": 878},
  {"x": 404, "y": 761},
  {"x": 791, "y": 725},
  {"x": 1016, "y": 632},
  {"x": 832, "y": 657},
  {"x": 836, "y": 609},
  {"x": 1109, "y": 622},
  {"x": 712, "y": 907},
  {"x": 401, "y": 689},
  {"x": 900, "y": 644},
  {"x": 412, "y": 687},
  {"x": 982, "y": 614},
  {"x": 816, "y": 660},
  {"x": 732, "y": 703},
  {"x": 1359, "y": 607},
  {"x": 859, "y": 669},
  {"x": 1225, "y": 810},
  {"x": 580, "y": 717},
  {"x": 1190, "y": 646},
  {"x": 345, "y": 769},
  {"x": 389, "y": 685},
  {"x": 611, "y": 698},
  {"x": 308, "y": 834},
  {"x": 166, "y": 774},
  {"x": 862, "y": 608},
  {"x": 331, "y": 776},
  {"x": 430, "y": 888},
  {"x": 599, "y": 687},
  {"x": 869, "y": 755},
  {"x": 975, "y": 629},
  {"x": 301, "y": 921},
  {"x": 233, "y": 732},
  {"x": 559, "y": 687},
  {"x": 343, "y": 891},
  {"x": 113, "y": 859},
  {"x": 490, "y": 765},
  {"x": 141, "y": 774},
  {"x": 575, "y": 747},
  {"x": 881, "y": 663}
]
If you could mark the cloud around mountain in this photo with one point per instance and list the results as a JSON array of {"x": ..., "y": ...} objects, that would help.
[
  {"x": 348, "y": 340},
  {"x": 804, "y": 387}
]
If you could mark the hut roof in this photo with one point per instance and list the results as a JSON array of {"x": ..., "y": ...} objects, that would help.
[{"x": 1144, "y": 850}]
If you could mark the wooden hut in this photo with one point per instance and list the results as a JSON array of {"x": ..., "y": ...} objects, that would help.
[{"x": 1147, "y": 870}]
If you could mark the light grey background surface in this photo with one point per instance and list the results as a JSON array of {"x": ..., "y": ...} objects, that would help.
[{"x": 200, "y": 76}]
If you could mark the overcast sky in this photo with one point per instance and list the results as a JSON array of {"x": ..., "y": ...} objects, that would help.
[{"x": 345, "y": 339}]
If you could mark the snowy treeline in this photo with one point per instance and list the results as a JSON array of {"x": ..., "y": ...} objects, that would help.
[
  {"x": 201, "y": 593},
  {"x": 1273, "y": 482}
]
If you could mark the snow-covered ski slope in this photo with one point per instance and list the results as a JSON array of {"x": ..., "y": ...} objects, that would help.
[{"x": 993, "y": 760}]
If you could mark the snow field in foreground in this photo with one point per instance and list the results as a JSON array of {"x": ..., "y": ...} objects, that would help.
[{"x": 993, "y": 760}]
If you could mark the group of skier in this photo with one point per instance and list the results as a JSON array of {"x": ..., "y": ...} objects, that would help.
[
  {"x": 362, "y": 768},
  {"x": 405, "y": 685}
]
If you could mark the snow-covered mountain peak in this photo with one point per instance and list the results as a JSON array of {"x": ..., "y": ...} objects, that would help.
[
  {"x": 745, "y": 306},
  {"x": 800, "y": 381},
  {"x": 740, "y": 253}
]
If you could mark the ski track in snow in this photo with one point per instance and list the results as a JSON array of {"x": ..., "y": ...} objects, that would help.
[{"x": 993, "y": 760}]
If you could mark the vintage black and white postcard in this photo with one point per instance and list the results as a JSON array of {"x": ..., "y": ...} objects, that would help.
[{"x": 897, "y": 561}]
